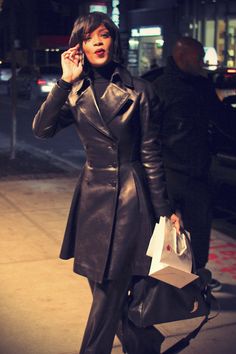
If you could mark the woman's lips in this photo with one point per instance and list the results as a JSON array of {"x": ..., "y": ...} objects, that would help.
[{"x": 100, "y": 52}]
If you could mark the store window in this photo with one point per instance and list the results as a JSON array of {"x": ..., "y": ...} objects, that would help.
[
  {"x": 231, "y": 60},
  {"x": 145, "y": 49},
  {"x": 227, "y": 39},
  {"x": 150, "y": 53},
  {"x": 210, "y": 30},
  {"x": 221, "y": 41}
]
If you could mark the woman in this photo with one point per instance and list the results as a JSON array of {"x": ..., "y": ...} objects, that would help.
[{"x": 120, "y": 193}]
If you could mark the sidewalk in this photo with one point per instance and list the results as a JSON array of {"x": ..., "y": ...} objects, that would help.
[{"x": 44, "y": 305}]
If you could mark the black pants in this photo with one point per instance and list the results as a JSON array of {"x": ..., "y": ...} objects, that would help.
[
  {"x": 108, "y": 316},
  {"x": 193, "y": 198}
]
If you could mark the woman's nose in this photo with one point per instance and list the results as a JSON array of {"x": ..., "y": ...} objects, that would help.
[{"x": 97, "y": 40}]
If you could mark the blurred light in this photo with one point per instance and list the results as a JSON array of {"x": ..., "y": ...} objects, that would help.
[
  {"x": 41, "y": 82},
  {"x": 133, "y": 43},
  {"x": 211, "y": 58},
  {"x": 231, "y": 71},
  {"x": 46, "y": 88},
  {"x": 47, "y": 50},
  {"x": 159, "y": 43},
  {"x": 116, "y": 12},
  {"x": 100, "y": 8}
]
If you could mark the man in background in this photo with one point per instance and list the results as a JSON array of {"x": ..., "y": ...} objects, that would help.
[{"x": 188, "y": 102}]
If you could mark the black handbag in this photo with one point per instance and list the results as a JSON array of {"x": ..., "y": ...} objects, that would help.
[{"x": 153, "y": 301}]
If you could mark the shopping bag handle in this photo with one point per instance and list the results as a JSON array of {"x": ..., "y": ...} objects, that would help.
[
  {"x": 188, "y": 240},
  {"x": 181, "y": 244}
]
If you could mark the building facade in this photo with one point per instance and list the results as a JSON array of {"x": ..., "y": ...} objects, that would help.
[
  {"x": 153, "y": 27},
  {"x": 213, "y": 23},
  {"x": 40, "y": 28}
]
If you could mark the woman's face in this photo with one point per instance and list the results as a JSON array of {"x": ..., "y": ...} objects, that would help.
[{"x": 98, "y": 46}]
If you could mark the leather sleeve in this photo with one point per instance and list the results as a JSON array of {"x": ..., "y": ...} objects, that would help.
[
  {"x": 151, "y": 156},
  {"x": 54, "y": 114}
]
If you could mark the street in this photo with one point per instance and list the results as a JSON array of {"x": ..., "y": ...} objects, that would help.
[{"x": 65, "y": 145}]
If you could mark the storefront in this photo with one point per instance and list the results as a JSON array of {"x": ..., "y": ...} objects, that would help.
[
  {"x": 145, "y": 49},
  {"x": 213, "y": 23},
  {"x": 224, "y": 40}
]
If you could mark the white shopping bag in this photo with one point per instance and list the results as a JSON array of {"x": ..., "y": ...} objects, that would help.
[{"x": 171, "y": 255}]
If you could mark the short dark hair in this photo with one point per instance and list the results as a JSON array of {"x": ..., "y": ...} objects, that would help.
[{"x": 87, "y": 24}]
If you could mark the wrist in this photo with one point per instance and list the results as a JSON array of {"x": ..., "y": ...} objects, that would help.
[
  {"x": 67, "y": 79},
  {"x": 65, "y": 85}
]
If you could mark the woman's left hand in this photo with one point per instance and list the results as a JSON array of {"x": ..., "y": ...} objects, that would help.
[{"x": 175, "y": 222}]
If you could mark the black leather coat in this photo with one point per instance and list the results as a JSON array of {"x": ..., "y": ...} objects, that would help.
[{"x": 121, "y": 189}]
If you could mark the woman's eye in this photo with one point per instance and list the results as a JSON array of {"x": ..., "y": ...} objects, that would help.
[
  {"x": 86, "y": 39},
  {"x": 105, "y": 34}
]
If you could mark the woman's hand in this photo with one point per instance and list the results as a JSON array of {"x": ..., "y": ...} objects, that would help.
[
  {"x": 72, "y": 64},
  {"x": 175, "y": 222}
]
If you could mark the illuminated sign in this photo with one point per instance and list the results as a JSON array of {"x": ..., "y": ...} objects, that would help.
[
  {"x": 98, "y": 7},
  {"x": 146, "y": 31},
  {"x": 115, "y": 12}
]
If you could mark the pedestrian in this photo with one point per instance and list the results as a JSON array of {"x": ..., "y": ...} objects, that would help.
[
  {"x": 120, "y": 193},
  {"x": 188, "y": 103}
]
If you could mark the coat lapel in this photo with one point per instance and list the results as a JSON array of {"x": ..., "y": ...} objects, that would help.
[
  {"x": 87, "y": 104},
  {"x": 114, "y": 99}
]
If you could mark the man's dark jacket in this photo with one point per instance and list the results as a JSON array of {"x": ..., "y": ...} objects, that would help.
[{"x": 188, "y": 104}]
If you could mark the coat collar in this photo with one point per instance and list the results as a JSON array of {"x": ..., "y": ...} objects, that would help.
[
  {"x": 121, "y": 75},
  {"x": 117, "y": 94}
]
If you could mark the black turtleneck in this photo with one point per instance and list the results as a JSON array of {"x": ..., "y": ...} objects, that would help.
[{"x": 101, "y": 77}]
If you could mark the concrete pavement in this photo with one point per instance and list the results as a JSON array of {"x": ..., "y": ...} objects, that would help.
[{"x": 44, "y": 305}]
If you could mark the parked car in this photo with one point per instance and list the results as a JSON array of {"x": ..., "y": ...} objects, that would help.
[
  {"x": 5, "y": 75},
  {"x": 36, "y": 82},
  {"x": 6, "y": 71}
]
